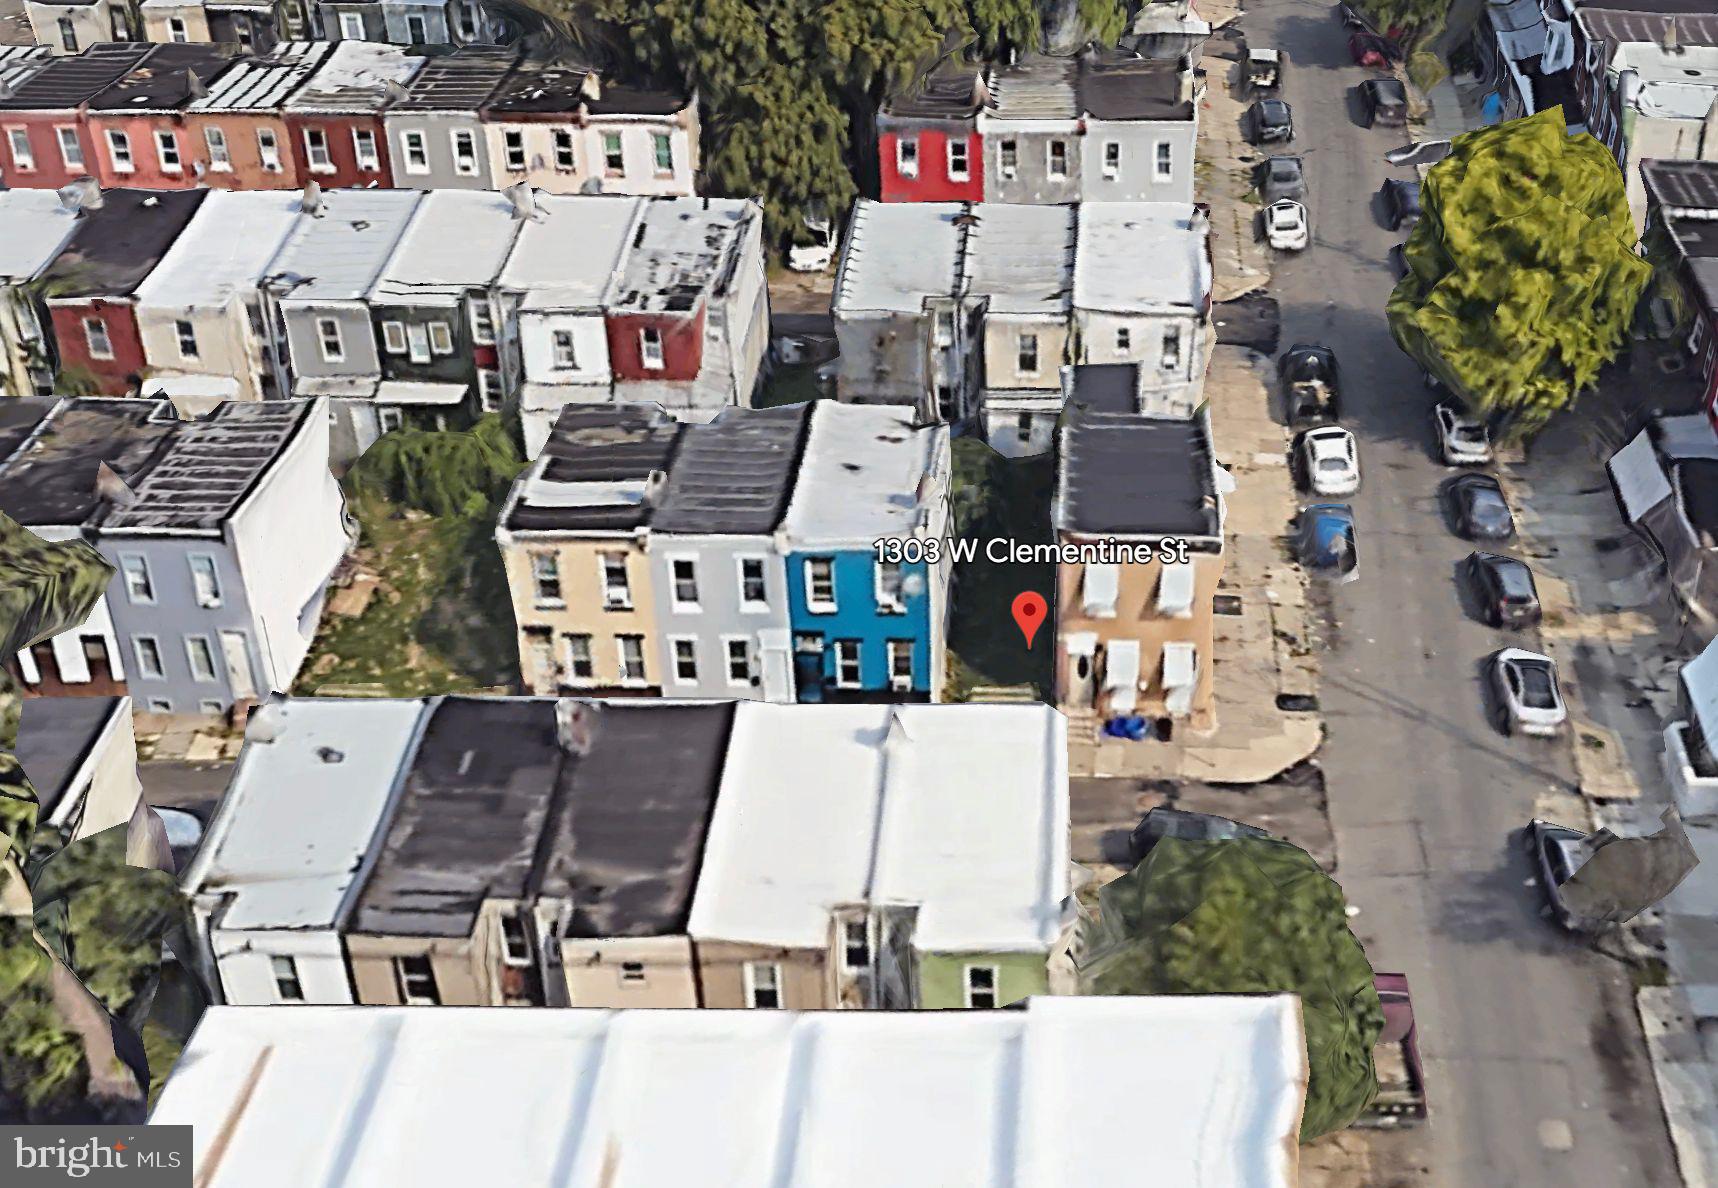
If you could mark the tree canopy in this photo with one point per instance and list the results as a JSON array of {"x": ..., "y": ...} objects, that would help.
[
  {"x": 1522, "y": 279},
  {"x": 1248, "y": 916}
]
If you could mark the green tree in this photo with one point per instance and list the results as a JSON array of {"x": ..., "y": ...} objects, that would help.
[
  {"x": 1522, "y": 279},
  {"x": 1248, "y": 916}
]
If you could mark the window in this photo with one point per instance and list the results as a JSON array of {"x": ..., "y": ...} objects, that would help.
[
  {"x": 1023, "y": 427},
  {"x": 1028, "y": 354},
  {"x": 148, "y": 650},
  {"x": 417, "y": 343},
  {"x": 316, "y": 151},
  {"x": 579, "y": 664},
  {"x": 513, "y": 142},
  {"x": 176, "y": 30},
  {"x": 352, "y": 26},
  {"x": 891, "y": 597},
  {"x": 220, "y": 160},
  {"x": 546, "y": 579},
  {"x": 614, "y": 163},
  {"x": 287, "y": 987},
  {"x": 394, "y": 337},
  {"x": 763, "y": 984},
  {"x": 820, "y": 585},
  {"x": 364, "y": 150},
  {"x": 268, "y": 149},
  {"x": 211, "y": 705},
  {"x": 981, "y": 987},
  {"x": 167, "y": 152},
  {"x": 71, "y": 151},
  {"x": 488, "y": 388},
  {"x": 389, "y": 419},
  {"x": 1163, "y": 164},
  {"x": 943, "y": 327},
  {"x": 96, "y": 339},
  {"x": 1171, "y": 348},
  {"x": 464, "y": 152},
  {"x": 119, "y": 151},
  {"x": 685, "y": 660},
  {"x": 441, "y": 338},
  {"x": 738, "y": 654},
  {"x": 662, "y": 151},
  {"x": 907, "y": 156},
  {"x": 566, "y": 358},
  {"x": 754, "y": 594},
  {"x": 959, "y": 162},
  {"x": 205, "y": 582},
  {"x": 631, "y": 659},
  {"x": 684, "y": 571},
  {"x": 650, "y": 347},
  {"x": 416, "y": 151},
  {"x": 632, "y": 972},
  {"x": 1124, "y": 339},
  {"x": 1058, "y": 159},
  {"x": 515, "y": 944},
  {"x": 565, "y": 159},
  {"x": 482, "y": 323},
  {"x": 467, "y": 19},
  {"x": 328, "y": 338},
  {"x": 417, "y": 30},
  {"x": 1112, "y": 160},
  {"x": 847, "y": 671},
  {"x": 186, "y": 334},
  {"x": 160, "y": 705},
  {"x": 856, "y": 944},
  {"x": 616, "y": 592},
  {"x": 68, "y": 35},
  {"x": 22, "y": 158},
  {"x": 415, "y": 978},
  {"x": 117, "y": 24},
  {"x": 201, "y": 656},
  {"x": 245, "y": 37},
  {"x": 901, "y": 664}
]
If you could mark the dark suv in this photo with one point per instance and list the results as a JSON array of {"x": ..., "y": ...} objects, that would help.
[
  {"x": 1507, "y": 595},
  {"x": 1385, "y": 101},
  {"x": 1185, "y": 826}
]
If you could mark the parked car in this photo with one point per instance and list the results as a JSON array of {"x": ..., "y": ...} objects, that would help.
[
  {"x": 1373, "y": 50},
  {"x": 1271, "y": 120},
  {"x": 1330, "y": 461},
  {"x": 1282, "y": 177},
  {"x": 1312, "y": 383},
  {"x": 1505, "y": 589},
  {"x": 1325, "y": 540},
  {"x": 1556, "y": 853},
  {"x": 1462, "y": 440},
  {"x": 815, "y": 256},
  {"x": 1482, "y": 513},
  {"x": 1385, "y": 101},
  {"x": 184, "y": 834},
  {"x": 1264, "y": 68},
  {"x": 1528, "y": 697},
  {"x": 1399, "y": 260},
  {"x": 1401, "y": 203},
  {"x": 1286, "y": 226},
  {"x": 1184, "y": 825},
  {"x": 1401, "y": 1099}
]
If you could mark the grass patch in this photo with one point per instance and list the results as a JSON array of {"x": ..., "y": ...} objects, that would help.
[{"x": 791, "y": 383}]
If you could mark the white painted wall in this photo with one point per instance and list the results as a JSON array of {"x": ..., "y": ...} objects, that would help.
[
  {"x": 243, "y": 960},
  {"x": 537, "y": 350}
]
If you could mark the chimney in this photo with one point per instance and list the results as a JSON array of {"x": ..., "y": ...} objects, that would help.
[
  {"x": 1669, "y": 44},
  {"x": 655, "y": 484},
  {"x": 311, "y": 203},
  {"x": 591, "y": 87},
  {"x": 523, "y": 196},
  {"x": 575, "y": 725},
  {"x": 112, "y": 488},
  {"x": 194, "y": 86},
  {"x": 80, "y": 195},
  {"x": 392, "y": 91},
  {"x": 268, "y": 721}
]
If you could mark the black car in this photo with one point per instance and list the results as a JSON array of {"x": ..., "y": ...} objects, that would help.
[
  {"x": 1399, "y": 260},
  {"x": 1185, "y": 826},
  {"x": 1312, "y": 383},
  {"x": 1282, "y": 177},
  {"x": 1401, "y": 203},
  {"x": 1270, "y": 120},
  {"x": 1482, "y": 513},
  {"x": 1556, "y": 852},
  {"x": 1385, "y": 101},
  {"x": 1507, "y": 595}
]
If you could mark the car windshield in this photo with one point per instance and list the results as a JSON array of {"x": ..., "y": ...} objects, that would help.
[
  {"x": 1468, "y": 434},
  {"x": 1515, "y": 580},
  {"x": 1333, "y": 464},
  {"x": 1275, "y": 110},
  {"x": 1537, "y": 691},
  {"x": 1284, "y": 170}
]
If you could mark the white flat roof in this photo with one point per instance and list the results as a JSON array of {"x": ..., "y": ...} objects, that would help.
[
  {"x": 1139, "y": 257},
  {"x": 1022, "y": 257},
  {"x": 961, "y": 809},
  {"x": 223, "y": 251},
  {"x": 1674, "y": 86},
  {"x": 569, "y": 259},
  {"x": 859, "y": 475},
  {"x": 1176, "y": 1090},
  {"x": 355, "y": 76},
  {"x": 37, "y": 226},
  {"x": 340, "y": 253},
  {"x": 457, "y": 240},
  {"x": 897, "y": 254},
  {"x": 294, "y": 825}
]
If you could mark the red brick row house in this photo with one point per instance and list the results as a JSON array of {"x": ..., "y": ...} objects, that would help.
[{"x": 45, "y": 141}]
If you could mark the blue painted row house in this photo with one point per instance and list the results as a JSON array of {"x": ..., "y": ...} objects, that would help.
[{"x": 867, "y": 618}]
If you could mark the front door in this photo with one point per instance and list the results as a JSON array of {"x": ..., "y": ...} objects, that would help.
[
  {"x": 238, "y": 656},
  {"x": 778, "y": 665}
]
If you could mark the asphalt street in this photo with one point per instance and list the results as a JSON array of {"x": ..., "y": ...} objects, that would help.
[{"x": 1536, "y": 1067}]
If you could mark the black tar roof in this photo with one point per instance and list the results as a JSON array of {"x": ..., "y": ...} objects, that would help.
[
  {"x": 73, "y": 81},
  {"x": 51, "y": 480},
  {"x": 1122, "y": 87},
  {"x": 161, "y": 82},
  {"x": 734, "y": 475},
  {"x": 1137, "y": 476},
  {"x": 1618, "y": 21},
  {"x": 494, "y": 808},
  {"x": 55, "y": 736},
  {"x": 639, "y": 100},
  {"x": 18, "y": 419},
  {"x": 610, "y": 444},
  {"x": 118, "y": 243},
  {"x": 461, "y": 81},
  {"x": 541, "y": 87},
  {"x": 951, "y": 91},
  {"x": 1105, "y": 387}
]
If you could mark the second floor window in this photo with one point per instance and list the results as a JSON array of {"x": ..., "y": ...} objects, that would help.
[
  {"x": 167, "y": 152},
  {"x": 565, "y": 159},
  {"x": 1172, "y": 348},
  {"x": 186, "y": 333},
  {"x": 650, "y": 347},
  {"x": 287, "y": 986},
  {"x": 1028, "y": 361},
  {"x": 138, "y": 586},
  {"x": 566, "y": 358},
  {"x": 546, "y": 579},
  {"x": 204, "y": 581},
  {"x": 352, "y": 26},
  {"x": 177, "y": 31},
  {"x": 119, "y": 152},
  {"x": 1058, "y": 159},
  {"x": 959, "y": 161},
  {"x": 22, "y": 158},
  {"x": 465, "y": 153},
  {"x": 614, "y": 162},
  {"x": 416, "y": 151},
  {"x": 68, "y": 35},
  {"x": 71, "y": 149},
  {"x": 685, "y": 574},
  {"x": 1112, "y": 160},
  {"x": 328, "y": 338},
  {"x": 268, "y": 149},
  {"x": 753, "y": 592},
  {"x": 1008, "y": 159},
  {"x": 364, "y": 150},
  {"x": 662, "y": 149},
  {"x": 415, "y": 979},
  {"x": 482, "y": 322},
  {"x": 96, "y": 339},
  {"x": 316, "y": 150},
  {"x": 891, "y": 595},
  {"x": 631, "y": 658},
  {"x": 220, "y": 159},
  {"x": 616, "y": 590},
  {"x": 820, "y": 585},
  {"x": 579, "y": 665},
  {"x": 1164, "y": 163},
  {"x": 514, "y": 143},
  {"x": 907, "y": 156}
]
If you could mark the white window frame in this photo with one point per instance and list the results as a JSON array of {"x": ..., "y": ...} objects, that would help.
[
  {"x": 737, "y": 680},
  {"x": 185, "y": 335},
  {"x": 568, "y": 641},
  {"x": 160, "y": 705},
  {"x": 365, "y": 151},
  {"x": 1112, "y": 160},
  {"x": 566, "y": 151},
  {"x": 620, "y": 642},
  {"x": 220, "y": 156},
  {"x": 895, "y": 649},
  {"x": 563, "y": 350},
  {"x": 481, "y": 320},
  {"x": 650, "y": 348},
  {"x": 1027, "y": 347},
  {"x": 489, "y": 393},
  {"x": 1163, "y": 161},
  {"x": 414, "y": 151},
  {"x": 995, "y": 990},
  {"x": 683, "y": 606},
  {"x": 403, "y": 984},
  {"x": 147, "y": 671},
  {"x": 847, "y": 926},
  {"x": 137, "y": 594},
  {"x": 658, "y": 142},
  {"x": 389, "y": 418},
  {"x": 177, "y": 32},
  {"x": 197, "y": 672},
  {"x": 98, "y": 340},
  {"x": 167, "y": 153},
  {"x": 417, "y": 343},
  {"x": 268, "y": 150},
  {"x": 546, "y": 565},
  {"x": 71, "y": 148},
  {"x": 210, "y": 598},
  {"x": 25, "y": 161},
  {"x": 394, "y": 337},
  {"x": 675, "y": 658},
  {"x": 615, "y": 597},
  {"x": 316, "y": 145},
  {"x": 814, "y": 604},
  {"x": 1124, "y": 339},
  {"x": 513, "y": 149},
  {"x": 68, "y": 31},
  {"x": 752, "y": 605},
  {"x": 281, "y": 977},
  {"x": 750, "y": 978},
  {"x": 1171, "y": 360},
  {"x": 119, "y": 151},
  {"x": 963, "y": 170},
  {"x": 887, "y": 603},
  {"x": 1008, "y": 159},
  {"x": 838, "y": 648},
  {"x": 350, "y": 21},
  {"x": 907, "y": 156},
  {"x": 463, "y": 136},
  {"x": 440, "y": 338},
  {"x": 519, "y": 960},
  {"x": 330, "y": 340},
  {"x": 610, "y": 169},
  {"x": 1050, "y": 170}
]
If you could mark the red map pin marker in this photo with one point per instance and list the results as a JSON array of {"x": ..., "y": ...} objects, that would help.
[{"x": 1029, "y": 610}]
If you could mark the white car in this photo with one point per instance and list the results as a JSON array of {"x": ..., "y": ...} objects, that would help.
[
  {"x": 1527, "y": 693},
  {"x": 1330, "y": 461},
  {"x": 1286, "y": 227},
  {"x": 1462, "y": 439}
]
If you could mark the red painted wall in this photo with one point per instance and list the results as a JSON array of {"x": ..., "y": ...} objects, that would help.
[
  {"x": 114, "y": 375},
  {"x": 50, "y": 171},
  {"x": 932, "y": 183},
  {"x": 682, "y": 346},
  {"x": 148, "y": 174},
  {"x": 342, "y": 151},
  {"x": 247, "y": 172}
]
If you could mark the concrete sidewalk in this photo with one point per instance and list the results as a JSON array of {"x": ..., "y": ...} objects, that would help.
[
  {"x": 1241, "y": 262},
  {"x": 185, "y": 738}
]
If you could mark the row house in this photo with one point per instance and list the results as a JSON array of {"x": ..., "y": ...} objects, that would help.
[
  {"x": 435, "y": 134},
  {"x": 535, "y": 851},
  {"x": 37, "y": 224},
  {"x": 240, "y": 136},
  {"x": 48, "y": 142},
  {"x": 968, "y": 312},
  {"x": 412, "y": 22},
  {"x": 254, "y": 26},
  {"x": 222, "y": 533},
  {"x": 336, "y": 116},
  {"x": 1103, "y": 127},
  {"x": 73, "y": 26},
  {"x": 1682, "y": 231},
  {"x": 648, "y": 556},
  {"x": 139, "y": 124}
]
